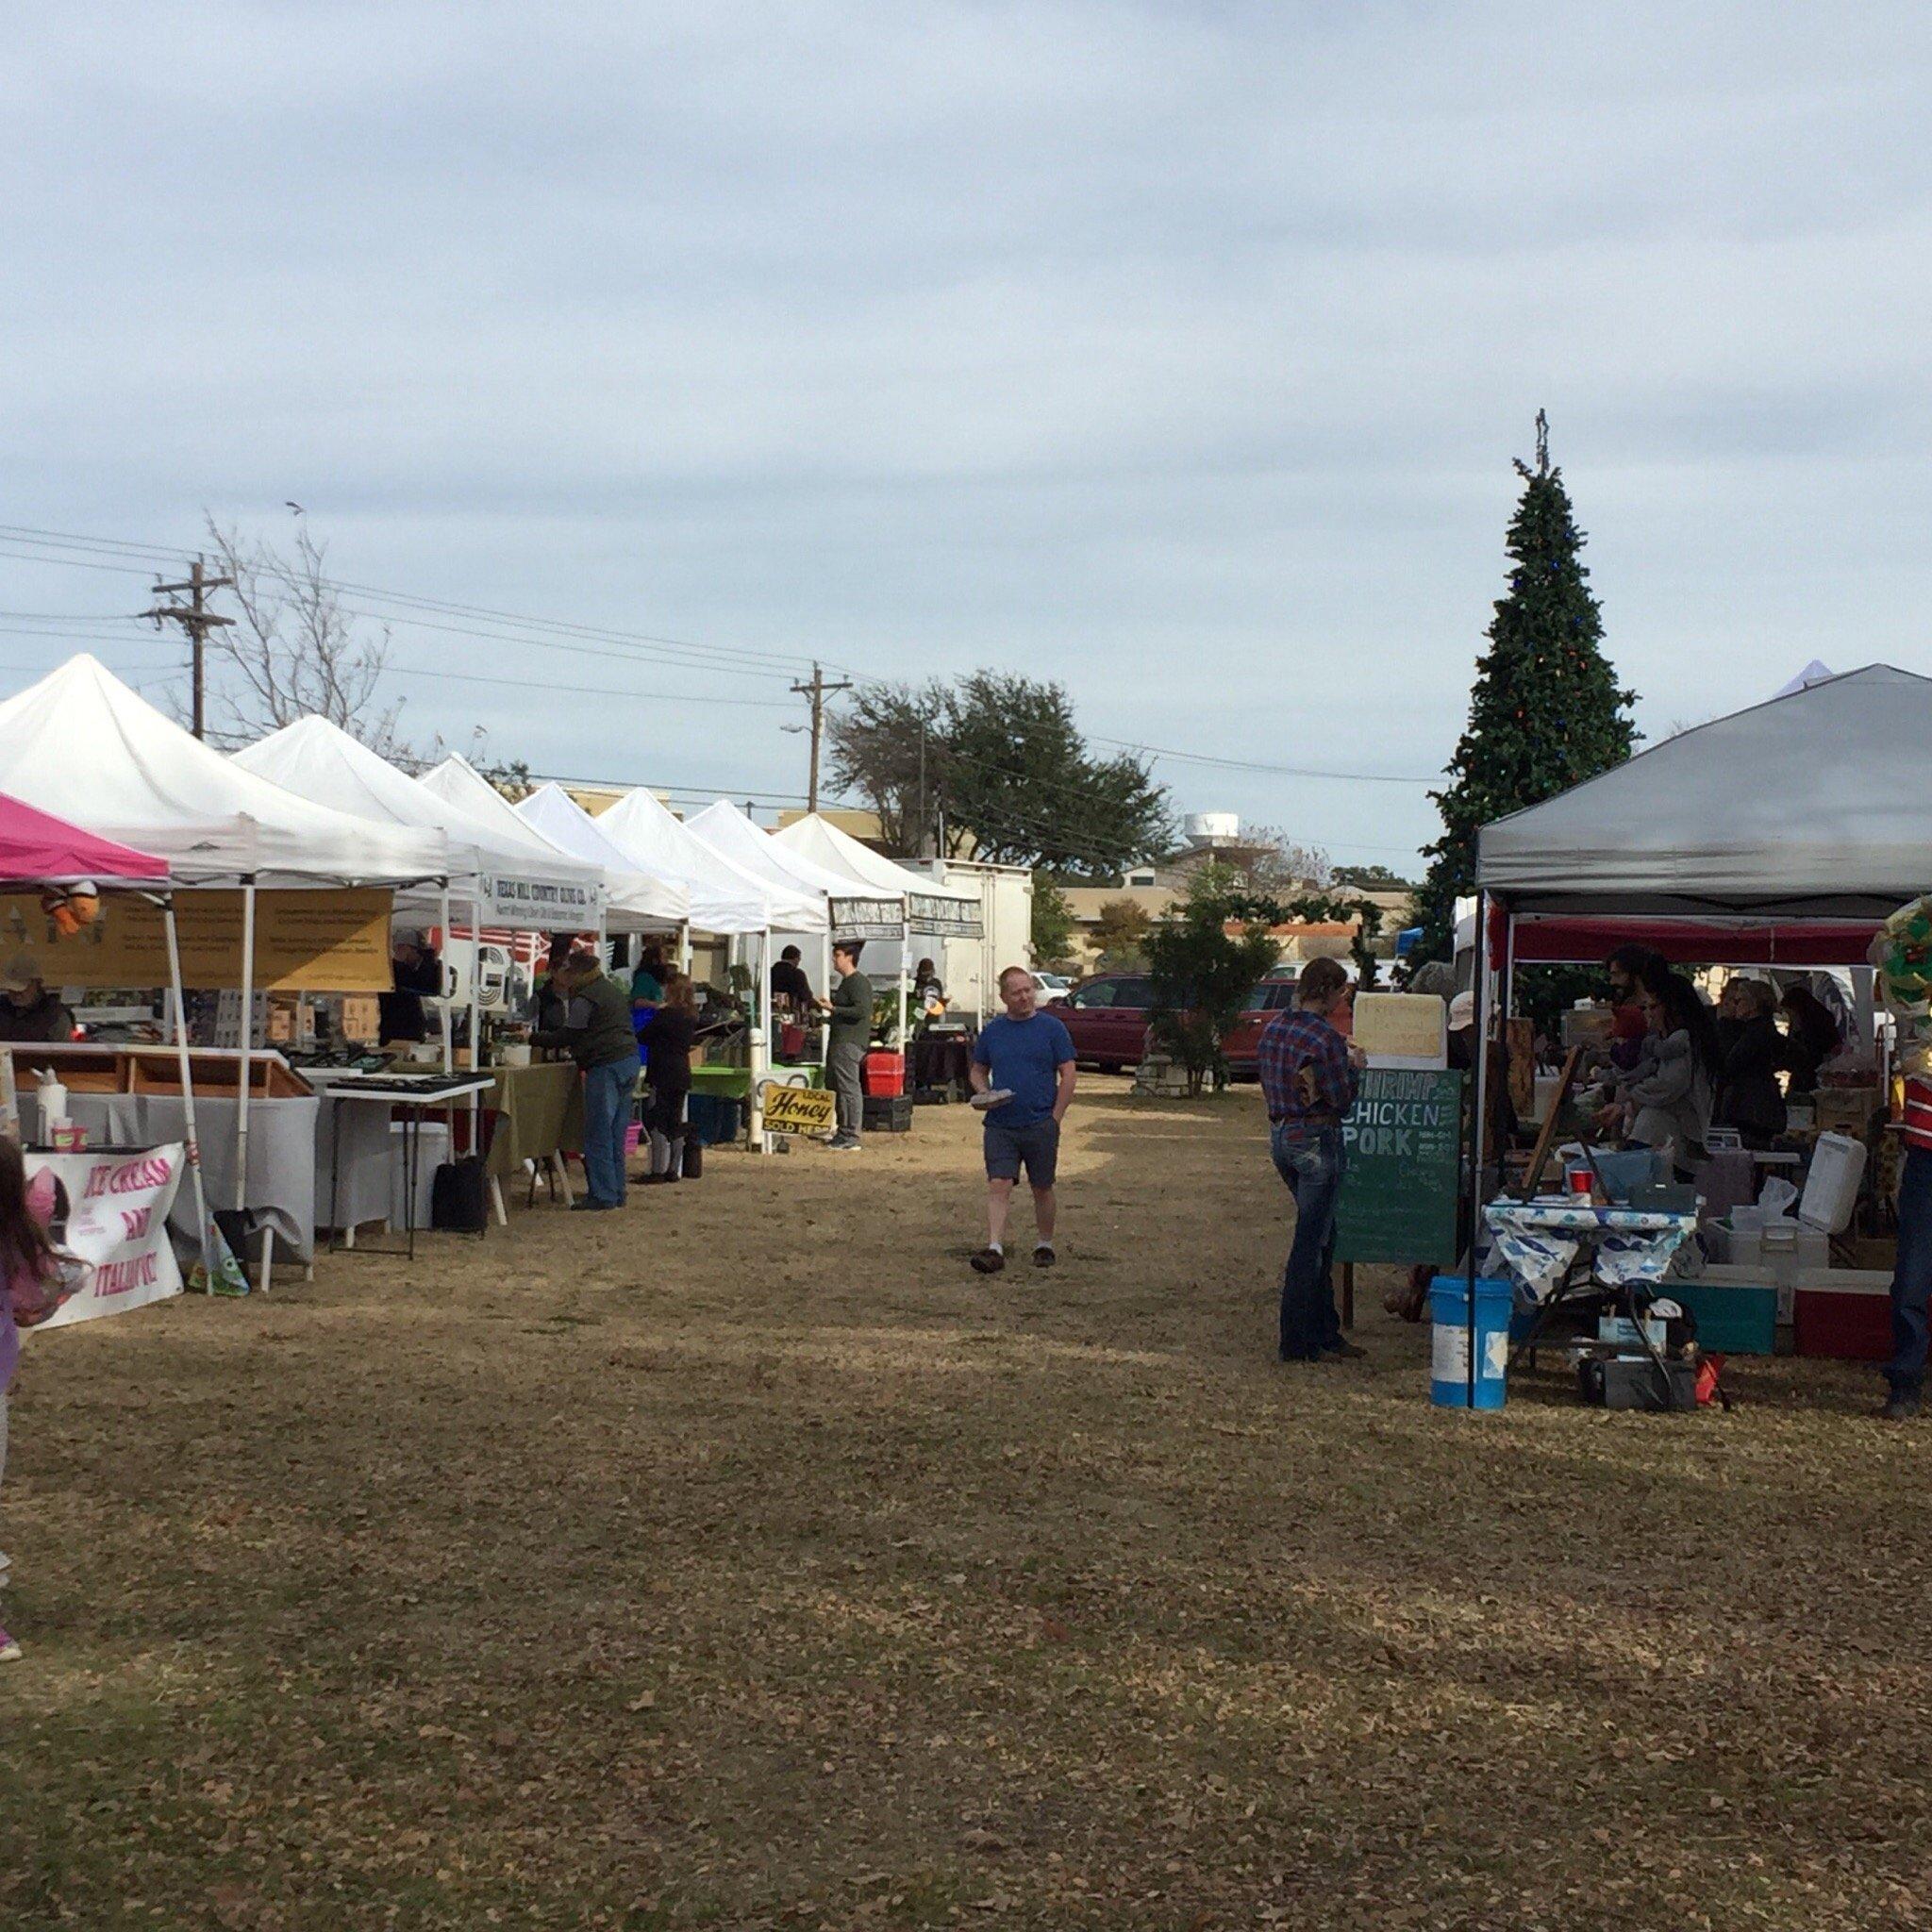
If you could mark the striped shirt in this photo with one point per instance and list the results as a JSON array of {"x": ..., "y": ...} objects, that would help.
[
  {"x": 1919, "y": 1115},
  {"x": 1304, "y": 1072}
]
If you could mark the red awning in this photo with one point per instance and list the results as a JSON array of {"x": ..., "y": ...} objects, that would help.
[
  {"x": 1558, "y": 939},
  {"x": 35, "y": 845}
]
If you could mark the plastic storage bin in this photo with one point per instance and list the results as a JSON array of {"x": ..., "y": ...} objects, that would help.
[
  {"x": 882, "y": 1074},
  {"x": 1449, "y": 1342}
]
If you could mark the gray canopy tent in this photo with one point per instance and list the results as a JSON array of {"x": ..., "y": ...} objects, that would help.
[{"x": 1782, "y": 833}]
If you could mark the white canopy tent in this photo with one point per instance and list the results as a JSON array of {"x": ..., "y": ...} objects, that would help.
[
  {"x": 638, "y": 899},
  {"x": 724, "y": 897},
  {"x": 80, "y": 737},
  {"x": 536, "y": 884},
  {"x": 924, "y": 904}
]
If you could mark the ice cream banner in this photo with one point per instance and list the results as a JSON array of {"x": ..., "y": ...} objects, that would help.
[{"x": 110, "y": 1214}]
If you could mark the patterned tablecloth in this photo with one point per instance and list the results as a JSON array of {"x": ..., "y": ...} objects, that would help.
[{"x": 1539, "y": 1239}]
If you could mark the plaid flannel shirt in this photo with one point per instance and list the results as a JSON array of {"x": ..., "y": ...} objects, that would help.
[{"x": 1305, "y": 1072}]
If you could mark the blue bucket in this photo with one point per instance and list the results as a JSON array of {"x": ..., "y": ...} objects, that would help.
[{"x": 1449, "y": 1340}]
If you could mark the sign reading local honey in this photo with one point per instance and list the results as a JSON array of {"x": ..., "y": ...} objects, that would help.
[{"x": 798, "y": 1109}]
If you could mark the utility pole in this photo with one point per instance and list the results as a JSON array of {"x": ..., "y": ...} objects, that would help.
[
  {"x": 816, "y": 691},
  {"x": 195, "y": 618}
]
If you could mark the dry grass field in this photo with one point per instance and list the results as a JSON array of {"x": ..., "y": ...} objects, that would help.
[{"x": 745, "y": 1561}]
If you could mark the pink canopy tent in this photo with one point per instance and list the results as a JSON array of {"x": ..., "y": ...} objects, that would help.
[
  {"x": 37, "y": 846},
  {"x": 38, "y": 849}
]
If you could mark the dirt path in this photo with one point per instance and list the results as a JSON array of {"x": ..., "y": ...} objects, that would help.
[{"x": 746, "y": 1560}]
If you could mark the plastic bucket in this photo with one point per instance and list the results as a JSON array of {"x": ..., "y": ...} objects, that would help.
[{"x": 1449, "y": 1340}]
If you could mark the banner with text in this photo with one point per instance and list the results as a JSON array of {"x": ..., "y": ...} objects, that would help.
[
  {"x": 111, "y": 1213},
  {"x": 326, "y": 941}
]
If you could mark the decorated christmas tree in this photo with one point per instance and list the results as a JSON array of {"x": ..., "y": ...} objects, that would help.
[{"x": 1547, "y": 712}]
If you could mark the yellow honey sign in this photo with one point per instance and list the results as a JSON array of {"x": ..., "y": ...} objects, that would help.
[{"x": 798, "y": 1109}]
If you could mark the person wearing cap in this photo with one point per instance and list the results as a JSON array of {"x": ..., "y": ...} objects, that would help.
[
  {"x": 414, "y": 970},
  {"x": 30, "y": 1013}
]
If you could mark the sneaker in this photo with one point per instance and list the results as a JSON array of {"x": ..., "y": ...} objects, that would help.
[
  {"x": 1043, "y": 1255},
  {"x": 842, "y": 1143},
  {"x": 990, "y": 1260},
  {"x": 587, "y": 1206},
  {"x": 1345, "y": 1351},
  {"x": 1901, "y": 1406},
  {"x": 9, "y": 1649}
]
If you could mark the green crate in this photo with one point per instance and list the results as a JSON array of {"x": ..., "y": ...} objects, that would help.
[{"x": 1733, "y": 1317}]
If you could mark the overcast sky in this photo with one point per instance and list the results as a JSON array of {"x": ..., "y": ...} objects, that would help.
[{"x": 1175, "y": 352}]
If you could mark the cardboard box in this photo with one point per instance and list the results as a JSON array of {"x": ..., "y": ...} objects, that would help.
[{"x": 1845, "y": 1109}]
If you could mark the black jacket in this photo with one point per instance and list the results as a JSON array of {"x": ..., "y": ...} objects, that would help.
[{"x": 1748, "y": 1089}]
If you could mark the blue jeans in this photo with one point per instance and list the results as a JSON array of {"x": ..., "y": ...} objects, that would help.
[
  {"x": 607, "y": 1118},
  {"x": 1312, "y": 1167},
  {"x": 1911, "y": 1280}
]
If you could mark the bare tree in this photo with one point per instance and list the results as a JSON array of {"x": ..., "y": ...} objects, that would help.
[
  {"x": 294, "y": 652},
  {"x": 1276, "y": 863}
]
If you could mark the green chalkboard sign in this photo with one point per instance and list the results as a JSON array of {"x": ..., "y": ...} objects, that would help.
[{"x": 1398, "y": 1195}]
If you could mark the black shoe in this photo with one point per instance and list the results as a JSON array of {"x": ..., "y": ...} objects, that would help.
[
  {"x": 587, "y": 1206},
  {"x": 1345, "y": 1351},
  {"x": 1901, "y": 1406}
]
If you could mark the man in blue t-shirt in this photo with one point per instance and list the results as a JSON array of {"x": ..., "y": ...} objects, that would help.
[{"x": 1024, "y": 1063}]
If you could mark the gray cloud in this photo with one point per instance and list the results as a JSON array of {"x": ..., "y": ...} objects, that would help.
[{"x": 1177, "y": 351}]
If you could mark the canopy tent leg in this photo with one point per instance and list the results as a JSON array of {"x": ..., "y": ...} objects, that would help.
[
  {"x": 448, "y": 1042},
  {"x": 1477, "y": 1115},
  {"x": 246, "y": 1035},
  {"x": 757, "y": 1058},
  {"x": 904, "y": 947},
  {"x": 684, "y": 948},
  {"x": 185, "y": 1075}
]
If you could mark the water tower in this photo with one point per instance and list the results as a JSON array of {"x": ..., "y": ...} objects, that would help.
[{"x": 1211, "y": 827}]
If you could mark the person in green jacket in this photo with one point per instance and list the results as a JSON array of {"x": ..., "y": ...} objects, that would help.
[
  {"x": 849, "y": 1035},
  {"x": 597, "y": 1032}
]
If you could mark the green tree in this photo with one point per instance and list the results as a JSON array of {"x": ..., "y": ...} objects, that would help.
[
  {"x": 1119, "y": 928},
  {"x": 1371, "y": 879},
  {"x": 1001, "y": 761},
  {"x": 1053, "y": 925},
  {"x": 1203, "y": 974},
  {"x": 1547, "y": 712}
]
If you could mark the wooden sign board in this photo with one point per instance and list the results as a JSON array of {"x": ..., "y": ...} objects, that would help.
[
  {"x": 798, "y": 1109},
  {"x": 1402, "y": 1029},
  {"x": 305, "y": 941},
  {"x": 1403, "y": 1143}
]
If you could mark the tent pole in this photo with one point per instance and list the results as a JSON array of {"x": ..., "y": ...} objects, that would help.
[
  {"x": 246, "y": 1071},
  {"x": 684, "y": 948},
  {"x": 904, "y": 947},
  {"x": 448, "y": 1046},
  {"x": 758, "y": 1058},
  {"x": 1479, "y": 1117},
  {"x": 185, "y": 1072}
]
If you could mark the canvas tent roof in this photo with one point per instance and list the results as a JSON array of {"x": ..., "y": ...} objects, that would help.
[
  {"x": 80, "y": 737},
  {"x": 724, "y": 897},
  {"x": 797, "y": 892},
  {"x": 536, "y": 886},
  {"x": 931, "y": 906},
  {"x": 639, "y": 899},
  {"x": 1808, "y": 805},
  {"x": 36, "y": 846}
]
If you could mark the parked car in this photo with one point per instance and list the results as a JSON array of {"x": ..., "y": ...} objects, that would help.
[
  {"x": 1050, "y": 989},
  {"x": 1241, "y": 1046},
  {"x": 1106, "y": 1017}
]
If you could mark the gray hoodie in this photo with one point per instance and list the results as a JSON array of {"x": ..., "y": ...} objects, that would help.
[{"x": 1671, "y": 1091}]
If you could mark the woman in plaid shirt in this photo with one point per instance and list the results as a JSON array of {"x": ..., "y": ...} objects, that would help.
[{"x": 1308, "y": 1076}]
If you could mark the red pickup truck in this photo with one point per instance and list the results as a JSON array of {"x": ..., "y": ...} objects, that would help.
[{"x": 1107, "y": 1016}]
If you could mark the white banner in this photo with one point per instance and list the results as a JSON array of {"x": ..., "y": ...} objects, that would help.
[
  {"x": 539, "y": 905},
  {"x": 111, "y": 1213}
]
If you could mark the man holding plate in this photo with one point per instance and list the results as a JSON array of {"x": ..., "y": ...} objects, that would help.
[{"x": 1022, "y": 1079}]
